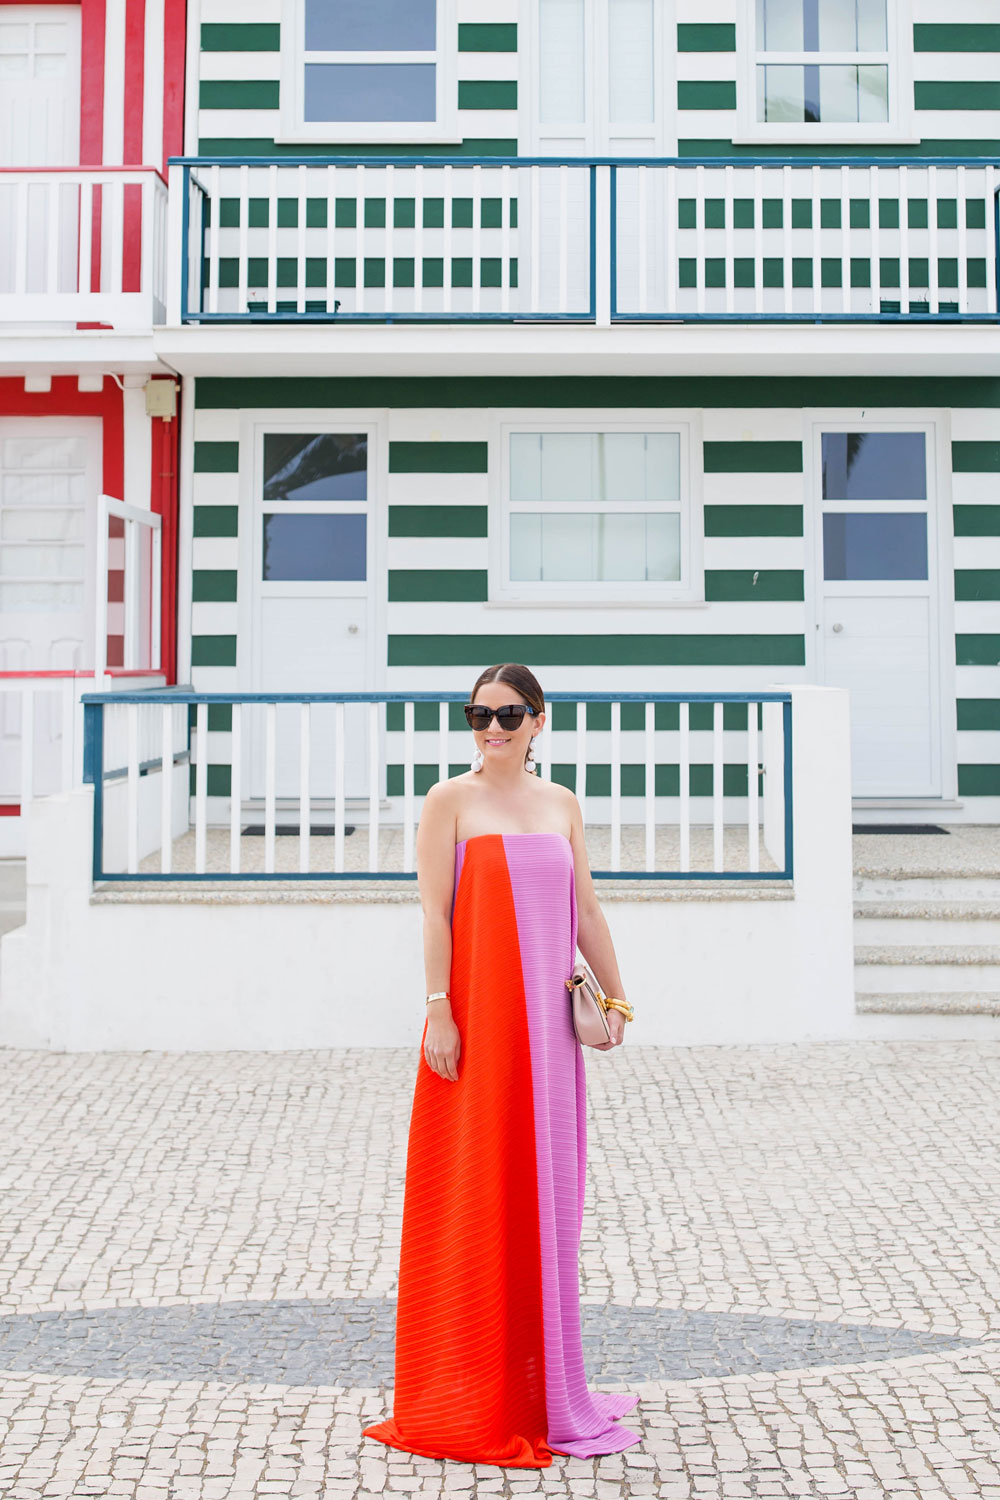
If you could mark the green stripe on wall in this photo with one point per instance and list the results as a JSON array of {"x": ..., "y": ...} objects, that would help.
[
  {"x": 975, "y": 458},
  {"x": 632, "y": 778},
  {"x": 753, "y": 520},
  {"x": 215, "y": 585},
  {"x": 710, "y": 146},
  {"x": 598, "y": 650},
  {"x": 706, "y": 93},
  {"x": 249, "y": 36},
  {"x": 438, "y": 458},
  {"x": 977, "y": 520},
  {"x": 238, "y": 93},
  {"x": 443, "y": 584},
  {"x": 216, "y": 458},
  {"x": 706, "y": 36},
  {"x": 487, "y": 36},
  {"x": 979, "y": 781},
  {"x": 956, "y": 93},
  {"x": 750, "y": 584},
  {"x": 213, "y": 651},
  {"x": 977, "y": 583},
  {"x": 753, "y": 458},
  {"x": 226, "y": 393},
  {"x": 975, "y": 650},
  {"x": 218, "y": 782},
  {"x": 216, "y": 520},
  {"x": 222, "y": 145},
  {"x": 970, "y": 36},
  {"x": 978, "y": 713},
  {"x": 487, "y": 93},
  {"x": 438, "y": 520}
]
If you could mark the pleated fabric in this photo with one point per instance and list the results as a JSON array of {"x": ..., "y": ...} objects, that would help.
[{"x": 489, "y": 1358}]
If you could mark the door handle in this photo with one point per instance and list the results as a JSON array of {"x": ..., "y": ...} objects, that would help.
[
  {"x": 837, "y": 628},
  {"x": 352, "y": 630}
]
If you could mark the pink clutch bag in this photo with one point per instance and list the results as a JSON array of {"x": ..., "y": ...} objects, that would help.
[{"x": 590, "y": 1014}]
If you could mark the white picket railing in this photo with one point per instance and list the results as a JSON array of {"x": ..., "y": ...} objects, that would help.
[
  {"x": 685, "y": 757},
  {"x": 513, "y": 238},
  {"x": 85, "y": 244},
  {"x": 799, "y": 239}
]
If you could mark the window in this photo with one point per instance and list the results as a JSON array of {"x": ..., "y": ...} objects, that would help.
[
  {"x": 823, "y": 69},
  {"x": 595, "y": 514},
  {"x": 861, "y": 472},
  {"x": 315, "y": 486},
  {"x": 369, "y": 73}
]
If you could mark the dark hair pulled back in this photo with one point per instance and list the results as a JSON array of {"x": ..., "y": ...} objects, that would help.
[{"x": 520, "y": 678}]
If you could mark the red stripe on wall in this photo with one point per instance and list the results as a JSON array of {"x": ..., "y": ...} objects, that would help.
[
  {"x": 174, "y": 31},
  {"x": 135, "y": 44},
  {"x": 163, "y": 501},
  {"x": 92, "y": 84}
]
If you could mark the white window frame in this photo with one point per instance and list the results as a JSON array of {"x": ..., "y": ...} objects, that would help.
[
  {"x": 688, "y": 589},
  {"x": 293, "y": 128},
  {"x": 898, "y": 129}
]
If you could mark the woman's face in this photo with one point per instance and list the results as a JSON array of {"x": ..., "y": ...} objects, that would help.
[{"x": 505, "y": 743}]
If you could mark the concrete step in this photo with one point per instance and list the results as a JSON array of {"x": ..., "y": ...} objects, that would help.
[
  {"x": 962, "y": 923},
  {"x": 926, "y": 969},
  {"x": 933, "y": 887},
  {"x": 928, "y": 1003}
]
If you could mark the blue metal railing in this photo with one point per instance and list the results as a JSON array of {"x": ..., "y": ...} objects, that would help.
[
  {"x": 949, "y": 264},
  {"x": 96, "y": 705}
]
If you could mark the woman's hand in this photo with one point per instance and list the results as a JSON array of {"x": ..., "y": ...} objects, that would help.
[
  {"x": 616, "y": 1024},
  {"x": 442, "y": 1043}
]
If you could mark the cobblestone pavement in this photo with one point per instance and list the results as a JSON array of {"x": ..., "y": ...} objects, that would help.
[{"x": 792, "y": 1253}]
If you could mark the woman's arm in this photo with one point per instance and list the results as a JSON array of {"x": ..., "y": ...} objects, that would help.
[
  {"x": 593, "y": 936},
  {"x": 435, "y": 850}
]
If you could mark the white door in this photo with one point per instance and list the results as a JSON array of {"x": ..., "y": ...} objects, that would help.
[
  {"x": 878, "y": 629},
  {"x": 50, "y": 477},
  {"x": 312, "y": 550},
  {"x": 39, "y": 127},
  {"x": 598, "y": 86}
]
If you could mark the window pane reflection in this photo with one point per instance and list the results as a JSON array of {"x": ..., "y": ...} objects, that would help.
[
  {"x": 315, "y": 466},
  {"x": 608, "y": 466},
  {"x": 375, "y": 26},
  {"x": 300, "y": 548},
  {"x": 370, "y": 91},
  {"x": 866, "y": 545},
  {"x": 874, "y": 466}
]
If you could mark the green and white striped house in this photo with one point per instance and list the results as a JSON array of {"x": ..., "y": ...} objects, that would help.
[{"x": 654, "y": 345}]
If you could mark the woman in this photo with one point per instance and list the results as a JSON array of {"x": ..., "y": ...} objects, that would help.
[{"x": 489, "y": 1361}]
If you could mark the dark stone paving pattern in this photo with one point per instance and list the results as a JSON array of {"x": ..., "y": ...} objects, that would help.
[{"x": 349, "y": 1341}]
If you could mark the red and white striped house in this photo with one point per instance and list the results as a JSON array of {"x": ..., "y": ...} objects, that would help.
[{"x": 91, "y": 107}]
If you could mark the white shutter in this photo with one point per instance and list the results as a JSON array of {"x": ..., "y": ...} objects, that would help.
[{"x": 39, "y": 85}]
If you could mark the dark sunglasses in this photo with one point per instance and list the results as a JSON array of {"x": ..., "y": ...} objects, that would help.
[{"x": 511, "y": 716}]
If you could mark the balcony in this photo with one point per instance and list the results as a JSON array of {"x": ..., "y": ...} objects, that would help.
[
  {"x": 82, "y": 245},
  {"x": 494, "y": 240}
]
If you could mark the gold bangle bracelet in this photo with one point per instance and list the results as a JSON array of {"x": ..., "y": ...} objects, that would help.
[
  {"x": 439, "y": 995},
  {"x": 613, "y": 1003}
]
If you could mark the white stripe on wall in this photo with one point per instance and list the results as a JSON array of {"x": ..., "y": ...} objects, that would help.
[
  {"x": 152, "y": 118},
  {"x": 114, "y": 83}
]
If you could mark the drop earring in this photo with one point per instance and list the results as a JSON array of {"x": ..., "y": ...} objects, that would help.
[
  {"x": 530, "y": 758},
  {"x": 476, "y": 763}
]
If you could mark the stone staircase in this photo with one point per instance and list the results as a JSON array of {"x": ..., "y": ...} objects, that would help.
[{"x": 927, "y": 944}]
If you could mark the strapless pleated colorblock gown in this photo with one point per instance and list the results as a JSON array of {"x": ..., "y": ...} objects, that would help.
[{"x": 489, "y": 1359}]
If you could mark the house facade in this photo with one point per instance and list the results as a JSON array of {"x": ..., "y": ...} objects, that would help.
[
  {"x": 652, "y": 346},
  {"x": 91, "y": 107}
]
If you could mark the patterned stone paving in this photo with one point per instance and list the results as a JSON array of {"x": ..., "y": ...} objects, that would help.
[{"x": 792, "y": 1254}]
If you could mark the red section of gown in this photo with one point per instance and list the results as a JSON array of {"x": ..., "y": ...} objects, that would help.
[{"x": 470, "y": 1371}]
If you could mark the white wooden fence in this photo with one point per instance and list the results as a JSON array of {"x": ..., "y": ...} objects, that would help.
[{"x": 84, "y": 244}]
